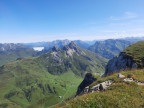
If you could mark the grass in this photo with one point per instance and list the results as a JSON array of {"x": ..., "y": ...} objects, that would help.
[
  {"x": 19, "y": 77},
  {"x": 136, "y": 51},
  {"x": 118, "y": 95}
]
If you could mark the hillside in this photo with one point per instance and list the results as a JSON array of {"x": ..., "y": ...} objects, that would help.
[
  {"x": 48, "y": 79},
  {"x": 121, "y": 87},
  {"x": 136, "y": 51},
  {"x": 124, "y": 92},
  {"x": 109, "y": 48},
  {"x": 130, "y": 58},
  {"x": 10, "y": 52}
]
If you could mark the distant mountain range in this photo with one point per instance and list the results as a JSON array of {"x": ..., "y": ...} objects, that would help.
[
  {"x": 106, "y": 48},
  {"x": 58, "y": 43},
  {"x": 109, "y": 48}
]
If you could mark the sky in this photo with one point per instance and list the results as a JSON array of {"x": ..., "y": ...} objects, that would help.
[{"x": 47, "y": 20}]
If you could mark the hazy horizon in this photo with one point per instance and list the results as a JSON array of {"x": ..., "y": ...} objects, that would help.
[{"x": 24, "y": 21}]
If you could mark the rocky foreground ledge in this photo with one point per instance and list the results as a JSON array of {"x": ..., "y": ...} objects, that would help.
[{"x": 106, "y": 84}]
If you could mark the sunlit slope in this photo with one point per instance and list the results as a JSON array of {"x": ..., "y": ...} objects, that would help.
[{"x": 119, "y": 95}]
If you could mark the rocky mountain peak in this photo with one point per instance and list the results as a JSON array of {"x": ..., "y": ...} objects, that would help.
[
  {"x": 56, "y": 49},
  {"x": 71, "y": 45},
  {"x": 73, "y": 48}
]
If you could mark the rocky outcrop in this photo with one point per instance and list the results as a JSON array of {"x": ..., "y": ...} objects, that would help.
[
  {"x": 120, "y": 63},
  {"x": 56, "y": 49},
  {"x": 89, "y": 79},
  {"x": 99, "y": 87}
]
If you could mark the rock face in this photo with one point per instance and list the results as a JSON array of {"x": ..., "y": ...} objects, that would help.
[
  {"x": 89, "y": 79},
  {"x": 56, "y": 49},
  {"x": 72, "y": 48},
  {"x": 120, "y": 63}
]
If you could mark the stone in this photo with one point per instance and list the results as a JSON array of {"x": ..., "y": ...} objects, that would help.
[
  {"x": 60, "y": 96},
  {"x": 120, "y": 76},
  {"x": 101, "y": 86},
  {"x": 128, "y": 80}
]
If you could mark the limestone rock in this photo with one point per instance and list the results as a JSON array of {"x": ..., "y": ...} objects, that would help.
[
  {"x": 128, "y": 80},
  {"x": 99, "y": 87},
  {"x": 56, "y": 49},
  {"x": 120, "y": 75},
  {"x": 102, "y": 86},
  {"x": 119, "y": 63}
]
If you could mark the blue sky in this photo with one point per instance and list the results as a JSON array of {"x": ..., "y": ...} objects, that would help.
[{"x": 46, "y": 20}]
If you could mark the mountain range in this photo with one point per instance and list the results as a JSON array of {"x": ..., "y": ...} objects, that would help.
[
  {"x": 48, "y": 79},
  {"x": 109, "y": 48},
  {"x": 106, "y": 48}
]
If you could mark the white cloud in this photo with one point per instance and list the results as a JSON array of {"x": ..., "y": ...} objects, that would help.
[{"x": 127, "y": 15}]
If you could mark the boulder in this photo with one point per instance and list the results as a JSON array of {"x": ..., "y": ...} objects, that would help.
[{"x": 120, "y": 76}]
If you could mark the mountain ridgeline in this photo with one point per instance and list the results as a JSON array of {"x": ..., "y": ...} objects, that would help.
[
  {"x": 58, "y": 43},
  {"x": 48, "y": 79},
  {"x": 72, "y": 57},
  {"x": 109, "y": 48}
]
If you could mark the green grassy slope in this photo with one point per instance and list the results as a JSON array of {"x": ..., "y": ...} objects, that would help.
[
  {"x": 27, "y": 83},
  {"x": 118, "y": 95},
  {"x": 136, "y": 51},
  {"x": 13, "y": 51},
  {"x": 46, "y": 80}
]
